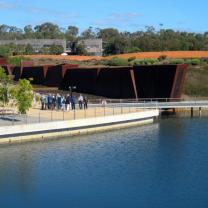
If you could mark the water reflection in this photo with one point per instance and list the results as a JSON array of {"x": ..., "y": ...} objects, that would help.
[{"x": 123, "y": 168}]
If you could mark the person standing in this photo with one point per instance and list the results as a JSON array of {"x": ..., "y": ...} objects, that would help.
[
  {"x": 42, "y": 100},
  {"x": 67, "y": 102},
  {"x": 80, "y": 100},
  {"x": 73, "y": 102},
  {"x": 85, "y": 101}
]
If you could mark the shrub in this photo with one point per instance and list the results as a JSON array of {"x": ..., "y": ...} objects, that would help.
[
  {"x": 192, "y": 61},
  {"x": 151, "y": 61},
  {"x": 176, "y": 61},
  {"x": 117, "y": 62},
  {"x": 138, "y": 62},
  {"x": 187, "y": 61},
  {"x": 195, "y": 61},
  {"x": 15, "y": 60},
  {"x": 131, "y": 58},
  {"x": 148, "y": 61},
  {"x": 24, "y": 96},
  {"x": 162, "y": 57},
  {"x": 5, "y": 51},
  {"x": 5, "y": 80},
  {"x": 204, "y": 60}
]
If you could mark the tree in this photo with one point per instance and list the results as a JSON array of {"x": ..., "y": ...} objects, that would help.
[
  {"x": 56, "y": 50},
  {"x": 29, "y": 50},
  {"x": 71, "y": 33},
  {"x": 48, "y": 30},
  {"x": 5, "y": 51},
  {"x": 24, "y": 96},
  {"x": 80, "y": 49},
  {"x": 88, "y": 34},
  {"x": 29, "y": 33},
  {"x": 5, "y": 82}
]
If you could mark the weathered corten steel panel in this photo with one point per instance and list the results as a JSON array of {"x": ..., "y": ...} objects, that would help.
[
  {"x": 53, "y": 76},
  {"x": 153, "y": 81},
  {"x": 115, "y": 83},
  {"x": 179, "y": 80},
  {"x": 35, "y": 73},
  {"x": 16, "y": 73},
  {"x": 83, "y": 78},
  {"x": 157, "y": 81},
  {"x": 66, "y": 67}
]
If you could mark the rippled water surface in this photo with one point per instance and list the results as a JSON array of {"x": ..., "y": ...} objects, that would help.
[{"x": 160, "y": 165}]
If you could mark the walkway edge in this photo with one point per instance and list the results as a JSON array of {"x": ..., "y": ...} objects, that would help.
[{"x": 41, "y": 131}]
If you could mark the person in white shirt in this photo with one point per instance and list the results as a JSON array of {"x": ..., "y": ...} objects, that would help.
[{"x": 80, "y": 100}]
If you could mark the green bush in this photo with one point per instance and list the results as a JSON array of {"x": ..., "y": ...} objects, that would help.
[
  {"x": 16, "y": 60},
  {"x": 188, "y": 61},
  {"x": 148, "y": 61},
  {"x": 5, "y": 51},
  {"x": 117, "y": 62},
  {"x": 195, "y": 61},
  {"x": 24, "y": 95},
  {"x": 176, "y": 61},
  {"x": 138, "y": 62},
  {"x": 151, "y": 61}
]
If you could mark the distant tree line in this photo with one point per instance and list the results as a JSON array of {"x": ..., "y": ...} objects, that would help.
[{"x": 114, "y": 41}]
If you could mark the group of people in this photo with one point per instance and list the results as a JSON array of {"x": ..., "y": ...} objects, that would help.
[{"x": 61, "y": 102}]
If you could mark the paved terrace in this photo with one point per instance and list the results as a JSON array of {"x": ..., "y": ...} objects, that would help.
[{"x": 113, "y": 107}]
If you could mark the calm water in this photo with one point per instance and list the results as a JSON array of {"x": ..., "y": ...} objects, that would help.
[{"x": 159, "y": 165}]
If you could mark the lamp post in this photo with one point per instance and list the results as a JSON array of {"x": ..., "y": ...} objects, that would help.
[{"x": 71, "y": 89}]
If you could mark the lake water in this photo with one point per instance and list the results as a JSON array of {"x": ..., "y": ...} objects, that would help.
[{"x": 160, "y": 165}]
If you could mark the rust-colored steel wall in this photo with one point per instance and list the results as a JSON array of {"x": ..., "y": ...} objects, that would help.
[
  {"x": 153, "y": 81},
  {"x": 179, "y": 80}
]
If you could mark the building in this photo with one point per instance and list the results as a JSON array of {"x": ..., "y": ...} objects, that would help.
[
  {"x": 94, "y": 47},
  {"x": 37, "y": 44}
]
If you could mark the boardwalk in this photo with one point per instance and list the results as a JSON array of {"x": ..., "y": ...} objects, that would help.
[{"x": 162, "y": 105}]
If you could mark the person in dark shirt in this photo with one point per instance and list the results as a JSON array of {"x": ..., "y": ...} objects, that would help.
[
  {"x": 85, "y": 101},
  {"x": 73, "y": 102}
]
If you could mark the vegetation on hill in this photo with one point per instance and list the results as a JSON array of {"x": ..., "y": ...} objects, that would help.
[{"x": 114, "y": 41}]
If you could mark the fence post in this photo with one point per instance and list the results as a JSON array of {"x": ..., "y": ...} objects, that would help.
[
  {"x": 13, "y": 118},
  {"x": 39, "y": 117},
  {"x": 51, "y": 115},
  {"x": 113, "y": 110},
  {"x": 74, "y": 115},
  {"x": 104, "y": 110}
]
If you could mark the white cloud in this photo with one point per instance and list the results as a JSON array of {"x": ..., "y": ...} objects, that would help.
[{"x": 7, "y": 5}]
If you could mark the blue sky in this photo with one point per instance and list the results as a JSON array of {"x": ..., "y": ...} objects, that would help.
[{"x": 126, "y": 15}]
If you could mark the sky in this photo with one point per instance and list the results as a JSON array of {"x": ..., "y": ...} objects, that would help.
[{"x": 125, "y": 15}]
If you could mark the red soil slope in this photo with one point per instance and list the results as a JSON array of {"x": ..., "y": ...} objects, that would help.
[{"x": 140, "y": 55}]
